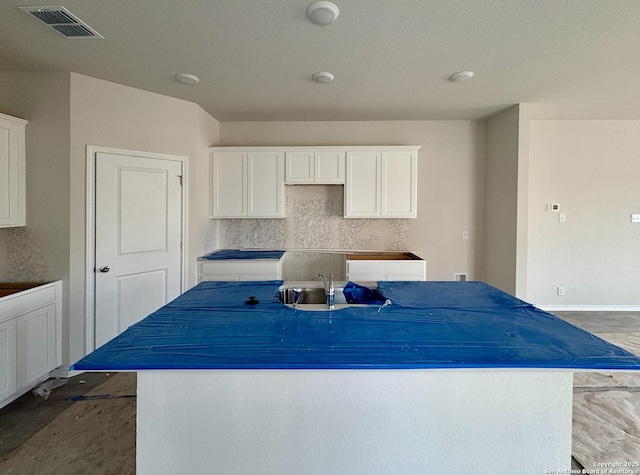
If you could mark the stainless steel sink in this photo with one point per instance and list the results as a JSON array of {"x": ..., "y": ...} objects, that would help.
[{"x": 310, "y": 295}]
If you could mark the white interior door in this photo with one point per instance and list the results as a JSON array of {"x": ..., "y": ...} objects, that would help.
[{"x": 138, "y": 219}]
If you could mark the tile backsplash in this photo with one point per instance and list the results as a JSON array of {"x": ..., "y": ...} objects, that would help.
[
  {"x": 314, "y": 223},
  {"x": 20, "y": 258}
]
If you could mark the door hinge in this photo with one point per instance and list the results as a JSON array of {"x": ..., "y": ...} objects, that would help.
[{"x": 180, "y": 178}]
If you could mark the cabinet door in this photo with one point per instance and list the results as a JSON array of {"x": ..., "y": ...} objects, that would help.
[
  {"x": 362, "y": 186},
  {"x": 299, "y": 167},
  {"x": 8, "y": 371},
  {"x": 329, "y": 167},
  {"x": 399, "y": 184},
  {"x": 228, "y": 184},
  {"x": 266, "y": 184},
  {"x": 36, "y": 337},
  {"x": 12, "y": 175}
]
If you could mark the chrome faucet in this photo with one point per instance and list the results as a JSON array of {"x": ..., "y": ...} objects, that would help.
[{"x": 328, "y": 290}]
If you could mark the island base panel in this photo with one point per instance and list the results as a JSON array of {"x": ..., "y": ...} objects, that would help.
[{"x": 353, "y": 422}]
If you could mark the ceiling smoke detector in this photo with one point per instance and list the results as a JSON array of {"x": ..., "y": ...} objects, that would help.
[
  {"x": 323, "y": 77},
  {"x": 322, "y": 13},
  {"x": 189, "y": 79},
  {"x": 63, "y": 21},
  {"x": 461, "y": 76}
]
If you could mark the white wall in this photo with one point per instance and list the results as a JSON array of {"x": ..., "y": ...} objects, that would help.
[
  {"x": 112, "y": 115},
  {"x": 450, "y": 178},
  {"x": 67, "y": 112},
  {"x": 43, "y": 100},
  {"x": 592, "y": 168},
  {"x": 501, "y": 199},
  {"x": 40, "y": 251}
]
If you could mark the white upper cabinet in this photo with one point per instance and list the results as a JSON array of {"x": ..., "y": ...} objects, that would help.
[
  {"x": 265, "y": 184},
  {"x": 228, "y": 184},
  {"x": 381, "y": 183},
  {"x": 362, "y": 188},
  {"x": 315, "y": 167},
  {"x": 12, "y": 161},
  {"x": 247, "y": 183},
  {"x": 399, "y": 180}
]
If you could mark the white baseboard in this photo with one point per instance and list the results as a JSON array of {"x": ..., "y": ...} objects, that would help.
[{"x": 589, "y": 308}]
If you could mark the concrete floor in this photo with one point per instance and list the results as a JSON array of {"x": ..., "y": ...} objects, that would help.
[{"x": 88, "y": 425}]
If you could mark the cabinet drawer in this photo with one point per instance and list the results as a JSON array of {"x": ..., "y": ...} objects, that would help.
[
  {"x": 405, "y": 277},
  {"x": 259, "y": 277},
  {"x": 366, "y": 277},
  {"x": 17, "y": 304},
  {"x": 217, "y": 277},
  {"x": 250, "y": 266},
  {"x": 386, "y": 267}
]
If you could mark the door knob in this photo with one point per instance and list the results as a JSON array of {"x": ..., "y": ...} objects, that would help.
[{"x": 104, "y": 269}]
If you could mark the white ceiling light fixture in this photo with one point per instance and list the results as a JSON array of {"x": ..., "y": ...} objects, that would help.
[
  {"x": 323, "y": 77},
  {"x": 461, "y": 76},
  {"x": 322, "y": 13},
  {"x": 189, "y": 79}
]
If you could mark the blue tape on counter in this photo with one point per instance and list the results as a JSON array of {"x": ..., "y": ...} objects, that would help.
[
  {"x": 242, "y": 254},
  {"x": 209, "y": 327}
]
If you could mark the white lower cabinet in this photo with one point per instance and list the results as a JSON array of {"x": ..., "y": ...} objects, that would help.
[
  {"x": 30, "y": 338},
  {"x": 8, "y": 368},
  {"x": 249, "y": 269},
  {"x": 36, "y": 344},
  {"x": 359, "y": 268}
]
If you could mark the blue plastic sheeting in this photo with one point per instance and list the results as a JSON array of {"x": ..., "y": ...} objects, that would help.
[
  {"x": 225, "y": 254},
  {"x": 472, "y": 295},
  {"x": 354, "y": 293},
  {"x": 457, "y": 325},
  {"x": 215, "y": 295}
]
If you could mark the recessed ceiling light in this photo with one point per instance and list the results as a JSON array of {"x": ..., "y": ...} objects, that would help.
[
  {"x": 461, "y": 76},
  {"x": 322, "y": 13},
  {"x": 189, "y": 79},
  {"x": 323, "y": 77}
]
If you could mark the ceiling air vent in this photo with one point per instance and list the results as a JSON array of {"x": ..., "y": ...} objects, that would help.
[{"x": 63, "y": 21}]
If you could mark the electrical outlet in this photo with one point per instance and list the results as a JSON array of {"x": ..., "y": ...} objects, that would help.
[
  {"x": 562, "y": 218},
  {"x": 465, "y": 234},
  {"x": 561, "y": 291},
  {"x": 635, "y": 218}
]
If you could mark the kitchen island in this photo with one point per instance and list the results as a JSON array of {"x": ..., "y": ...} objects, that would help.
[{"x": 449, "y": 378}]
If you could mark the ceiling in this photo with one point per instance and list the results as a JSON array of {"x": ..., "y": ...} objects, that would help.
[{"x": 391, "y": 59}]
